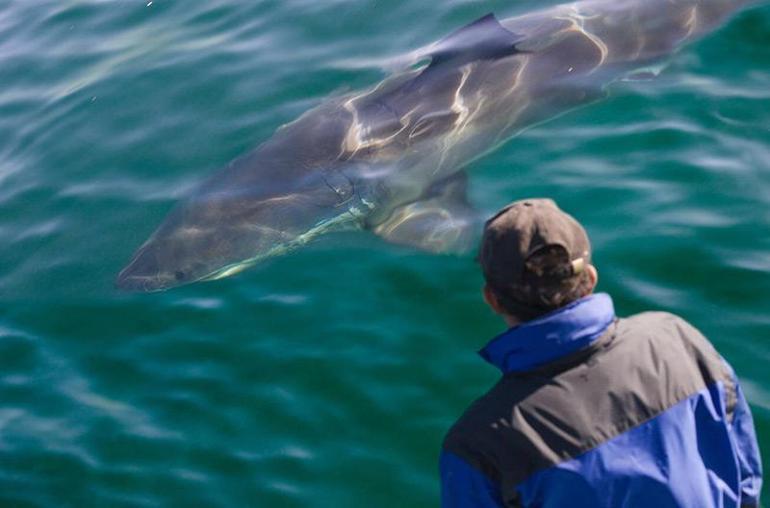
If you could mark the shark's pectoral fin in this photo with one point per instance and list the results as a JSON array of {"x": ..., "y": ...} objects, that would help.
[{"x": 441, "y": 221}]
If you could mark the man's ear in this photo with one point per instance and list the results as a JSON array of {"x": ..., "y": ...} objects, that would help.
[
  {"x": 491, "y": 298},
  {"x": 494, "y": 303},
  {"x": 593, "y": 275}
]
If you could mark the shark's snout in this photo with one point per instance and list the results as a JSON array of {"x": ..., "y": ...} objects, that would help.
[{"x": 144, "y": 273}]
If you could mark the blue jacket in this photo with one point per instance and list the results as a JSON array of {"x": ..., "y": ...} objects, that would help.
[{"x": 595, "y": 411}]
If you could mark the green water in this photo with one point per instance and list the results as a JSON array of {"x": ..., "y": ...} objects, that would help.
[{"x": 326, "y": 377}]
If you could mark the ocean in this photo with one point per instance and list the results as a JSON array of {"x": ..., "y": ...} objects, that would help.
[{"x": 326, "y": 377}]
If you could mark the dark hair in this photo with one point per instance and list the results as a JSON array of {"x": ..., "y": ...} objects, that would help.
[{"x": 548, "y": 283}]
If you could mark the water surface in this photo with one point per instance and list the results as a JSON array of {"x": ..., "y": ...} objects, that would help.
[{"x": 327, "y": 377}]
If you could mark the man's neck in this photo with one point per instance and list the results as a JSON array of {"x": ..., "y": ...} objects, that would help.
[{"x": 511, "y": 321}]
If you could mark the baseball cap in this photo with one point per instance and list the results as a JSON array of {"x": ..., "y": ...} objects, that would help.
[{"x": 531, "y": 248}]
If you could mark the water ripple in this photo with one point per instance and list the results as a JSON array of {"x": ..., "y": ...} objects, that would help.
[{"x": 327, "y": 377}]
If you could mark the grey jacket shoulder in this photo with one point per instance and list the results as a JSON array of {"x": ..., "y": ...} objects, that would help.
[
  {"x": 681, "y": 340},
  {"x": 665, "y": 322},
  {"x": 669, "y": 334}
]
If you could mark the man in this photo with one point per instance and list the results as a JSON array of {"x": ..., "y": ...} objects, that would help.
[{"x": 592, "y": 410}]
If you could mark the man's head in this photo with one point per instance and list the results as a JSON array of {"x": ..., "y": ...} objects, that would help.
[{"x": 535, "y": 259}]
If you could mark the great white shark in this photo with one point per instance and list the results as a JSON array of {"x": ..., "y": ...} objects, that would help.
[{"x": 392, "y": 159}]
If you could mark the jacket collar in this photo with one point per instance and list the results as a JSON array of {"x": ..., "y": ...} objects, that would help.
[{"x": 552, "y": 336}]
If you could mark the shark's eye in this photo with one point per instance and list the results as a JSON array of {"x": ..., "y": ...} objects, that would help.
[{"x": 179, "y": 275}]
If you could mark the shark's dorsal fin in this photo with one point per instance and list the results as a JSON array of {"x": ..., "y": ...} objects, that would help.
[{"x": 483, "y": 39}]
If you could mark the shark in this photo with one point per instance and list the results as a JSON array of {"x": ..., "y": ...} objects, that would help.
[{"x": 392, "y": 159}]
